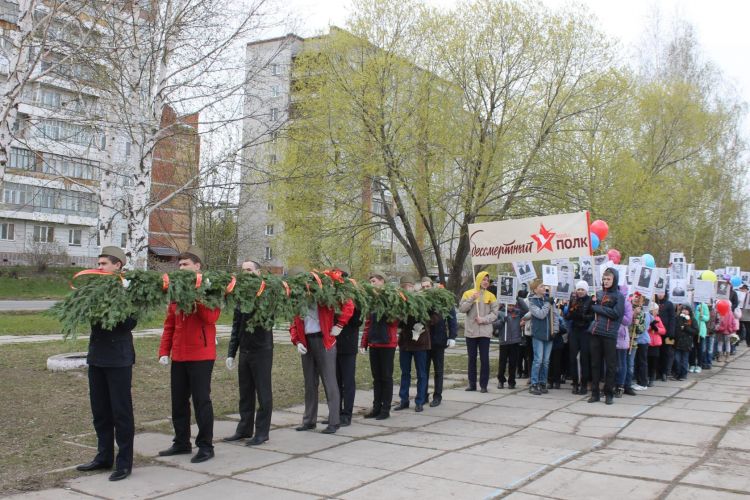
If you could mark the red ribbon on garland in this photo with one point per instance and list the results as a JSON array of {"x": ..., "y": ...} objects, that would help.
[
  {"x": 97, "y": 272},
  {"x": 164, "y": 282},
  {"x": 261, "y": 288},
  {"x": 230, "y": 286}
]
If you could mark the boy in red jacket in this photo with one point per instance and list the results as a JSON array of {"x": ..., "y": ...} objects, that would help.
[{"x": 191, "y": 340}]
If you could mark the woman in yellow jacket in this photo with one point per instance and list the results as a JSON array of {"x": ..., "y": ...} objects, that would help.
[{"x": 480, "y": 306}]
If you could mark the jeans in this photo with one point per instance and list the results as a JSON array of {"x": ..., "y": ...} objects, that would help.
[
  {"x": 603, "y": 349},
  {"x": 707, "y": 347},
  {"x": 722, "y": 343},
  {"x": 540, "y": 365},
  {"x": 420, "y": 362},
  {"x": 483, "y": 345},
  {"x": 681, "y": 363},
  {"x": 623, "y": 360}
]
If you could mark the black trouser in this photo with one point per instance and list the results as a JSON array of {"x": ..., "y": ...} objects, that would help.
[
  {"x": 603, "y": 349},
  {"x": 436, "y": 357},
  {"x": 525, "y": 357},
  {"x": 653, "y": 361},
  {"x": 483, "y": 345},
  {"x": 555, "y": 365},
  {"x": 580, "y": 343},
  {"x": 641, "y": 364},
  {"x": 745, "y": 326},
  {"x": 666, "y": 360},
  {"x": 381, "y": 366},
  {"x": 192, "y": 379},
  {"x": 254, "y": 372},
  {"x": 346, "y": 369},
  {"x": 112, "y": 409},
  {"x": 509, "y": 354}
]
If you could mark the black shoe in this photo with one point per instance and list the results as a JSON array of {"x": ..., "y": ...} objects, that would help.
[
  {"x": 372, "y": 413},
  {"x": 306, "y": 427},
  {"x": 175, "y": 450},
  {"x": 608, "y": 399},
  {"x": 543, "y": 388},
  {"x": 483, "y": 389},
  {"x": 556, "y": 385},
  {"x": 401, "y": 406},
  {"x": 534, "y": 389},
  {"x": 470, "y": 389},
  {"x": 629, "y": 391},
  {"x": 255, "y": 441},
  {"x": 663, "y": 378},
  {"x": 93, "y": 465},
  {"x": 418, "y": 408},
  {"x": 618, "y": 392},
  {"x": 331, "y": 429},
  {"x": 202, "y": 455},
  {"x": 434, "y": 403},
  {"x": 324, "y": 421},
  {"x": 234, "y": 437},
  {"x": 501, "y": 385},
  {"x": 383, "y": 415},
  {"x": 345, "y": 421},
  {"x": 119, "y": 474},
  {"x": 575, "y": 389},
  {"x": 511, "y": 385},
  {"x": 594, "y": 398}
]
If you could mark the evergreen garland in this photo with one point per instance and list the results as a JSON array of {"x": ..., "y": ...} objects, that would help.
[{"x": 266, "y": 299}]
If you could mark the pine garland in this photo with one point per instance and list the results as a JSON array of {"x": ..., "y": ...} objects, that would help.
[{"x": 266, "y": 299}]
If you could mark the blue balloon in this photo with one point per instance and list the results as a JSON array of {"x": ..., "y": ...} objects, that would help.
[
  {"x": 736, "y": 281},
  {"x": 594, "y": 241},
  {"x": 648, "y": 260}
]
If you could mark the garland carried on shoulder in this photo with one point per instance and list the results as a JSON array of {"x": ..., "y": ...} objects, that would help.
[{"x": 107, "y": 299}]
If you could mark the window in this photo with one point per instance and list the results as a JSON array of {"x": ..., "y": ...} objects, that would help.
[
  {"x": 7, "y": 231},
  {"x": 74, "y": 237},
  {"x": 21, "y": 158},
  {"x": 274, "y": 114},
  {"x": 269, "y": 253},
  {"x": 123, "y": 240},
  {"x": 50, "y": 98},
  {"x": 17, "y": 194},
  {"x": 274, "y": 91},
  {"x": 44, "y": 234},
  {"x": 269, "y": 229},
  {"x": 274, "y": 69}
]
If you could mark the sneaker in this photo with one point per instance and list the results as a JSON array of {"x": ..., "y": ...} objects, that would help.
[
  {"x": 637, "y": 387},
  {"x": 534, "y": 389},
  {"x": 691, "y": 369},
  {"x": 698, "y": 369}
]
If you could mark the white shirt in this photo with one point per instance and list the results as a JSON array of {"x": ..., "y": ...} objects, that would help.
[{"x": 312, "y": 323}]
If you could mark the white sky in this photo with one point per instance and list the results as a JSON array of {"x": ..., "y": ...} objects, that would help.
[{"x": 722, "y": 26}]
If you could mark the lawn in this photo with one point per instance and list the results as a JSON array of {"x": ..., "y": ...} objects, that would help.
[
  {"x": 46, "y": 416},
  {"x": 36, "y": 323},
  {"x": 18, "y": 282}
]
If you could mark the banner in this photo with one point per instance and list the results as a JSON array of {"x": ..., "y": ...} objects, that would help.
[{"x": 535, "y": 238}]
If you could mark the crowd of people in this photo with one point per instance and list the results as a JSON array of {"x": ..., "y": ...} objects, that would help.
[{"x": 608, "y": 342}]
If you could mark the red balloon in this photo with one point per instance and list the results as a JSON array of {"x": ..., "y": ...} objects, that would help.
[
  {"x": 614, "y": 255},
  {"x": 600, "y": 228},
  {"x": 723, "y": 307}
]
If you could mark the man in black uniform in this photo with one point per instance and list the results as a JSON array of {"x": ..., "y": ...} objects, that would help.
[
  {"x": 347, "y": 344},
  {"x": 111, "y": 357},
  {"x": 254, "y": 371}
]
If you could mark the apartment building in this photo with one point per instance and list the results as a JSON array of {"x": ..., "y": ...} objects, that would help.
[{"x": 268, "y": 100}]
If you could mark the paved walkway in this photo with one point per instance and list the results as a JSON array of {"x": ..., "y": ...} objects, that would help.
[
  {"x": 26, "y": 305},
  {"x": 678, "y": 440}
]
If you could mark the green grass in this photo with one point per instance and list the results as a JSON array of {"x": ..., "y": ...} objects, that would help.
[
  {"x": 26, "y": 283},
  {"x": 45, "y": 414},
  {"x": 36, "y": 323}
]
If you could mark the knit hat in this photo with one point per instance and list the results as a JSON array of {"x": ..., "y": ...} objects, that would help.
[
  {"x": 653, "y": 306},
  {"x": 582, "y": 285}
]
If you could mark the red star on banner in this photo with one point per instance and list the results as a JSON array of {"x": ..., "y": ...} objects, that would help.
[{"x": 543, "y": 239}]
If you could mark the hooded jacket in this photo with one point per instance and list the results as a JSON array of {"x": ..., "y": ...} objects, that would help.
[
  {"x": 655, "y": 332},
  {"x": 702, "y": 315},
  {"x": 542, "y": 318},
  {"x": 608, "y": 309},
  {"x": 508, "y": 322},
  {"x": 480, "y": 312},
  {"x": 684, "y": 332},
  {"x": 623, "y": 333}
]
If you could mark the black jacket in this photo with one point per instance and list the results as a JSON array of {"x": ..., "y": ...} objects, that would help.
[
  {"x": 442, "y": 329},
  {"x": 684, "y": 332},
  {"x": 112, "y": 348},
  {"x": 246, "y": 340},
  {"x": 667, "y": 315},
  {"x": 348, "y": 340},
  {"x": 580, "y": 313}
]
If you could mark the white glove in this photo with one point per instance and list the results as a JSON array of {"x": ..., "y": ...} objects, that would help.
[
  {"x": 230, "y": 363},
  {"x": 417, "y": 331},
  {"x": 302, "y": 349},
  {"x": 164, "y": 360},
  {"x": 363, "y": 350},
  {"x": 335, "y": 331},
  {"x": 451, "y": 343}
]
